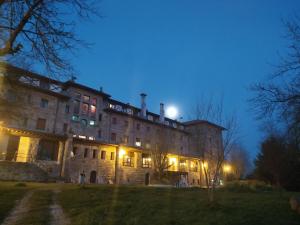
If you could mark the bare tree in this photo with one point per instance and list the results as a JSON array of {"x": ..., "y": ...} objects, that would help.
[
  {"x": 42, "y": 31},
  {"x": 279, "y": 96},
  {"x": 240, "y": 161},
  {"x": 160, "y": 152},
  {"x": 215, "y": 151}
]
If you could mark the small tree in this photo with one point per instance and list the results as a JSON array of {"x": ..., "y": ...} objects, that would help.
[
  {"x": 160, "y": 152},
  {"x": 214, "y": 152}
]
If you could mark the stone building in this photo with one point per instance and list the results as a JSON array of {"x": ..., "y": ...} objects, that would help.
[{"x": 66, "y": 128}]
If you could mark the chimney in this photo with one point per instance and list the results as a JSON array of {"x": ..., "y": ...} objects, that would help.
[
  {"x": 162, "y": 113},
  {"x": 143, "y": 105}
]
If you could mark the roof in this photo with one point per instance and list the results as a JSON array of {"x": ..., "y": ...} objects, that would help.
[{"x": 197, "y": 122}]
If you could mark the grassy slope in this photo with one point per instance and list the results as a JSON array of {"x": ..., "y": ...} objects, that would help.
[
  {"x": 143, "y": 206},
  {"x": 9, "y": 194}
]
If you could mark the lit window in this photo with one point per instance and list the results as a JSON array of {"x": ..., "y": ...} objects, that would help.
[
  {"x": 86, "y": 98},
  {"x": 75, "y": 118},
  {"x": 93, "y": 110},
  {"x": 82, "y": 136},
  {"x": 85, "y": 108},
  {"x": 114, "y": 120},
  {"x": 92, "y": 122},
  {"x": 91, "y": 138},
  {"x": 146, "y": 161},
  {"x": 148, "y": 145},
  {"x": 44, "y": 103},
  {"x": 138, "y": 142},
  {"x": 128, "y": 159}
]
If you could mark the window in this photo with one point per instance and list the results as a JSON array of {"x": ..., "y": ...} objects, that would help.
[
  {"x": 103, "y": 154},
  {"x": 67, "y": 109},
  {"x": 138, "y": 142},
  {"x": 128, "y": 159},
  {"x": 114, "y": 120},
  {"x": 148, "y": 129},
  {"x": 44, "y": 103},
  {"x": 146, "y": 161},
  {"x": 86, "y": 98},
  {"x": 47, "y": 150},
  {"x": 125, "y": 139},
  {"x": 112, "y": 156},
  {"x": 126, "y": 123},
  {"x": 41, "y": 124},
  {"x": 93, "y": 110},
  {"x": 94, "y": 101},
  {"x": 77, "y": 95},
  {"x": 138, "y": 126},
  {"x": 75, "y": 118},
  {"x": 74, "y": 151},
  {"x": 86, "y": 150},
  {"x": 148, "y": 145},
  {"x": 84, "y": 122},
  {"x": 99, "y": 134},
  {"x": 85, "y": 108},
  {"x": 94, "y": 153},
  {"x": 24, "y": 122},
  {"x": 113, "y": 137},
  {"x": 76, "y": 106},
  {"x": 100, "y": 117},
  {"x": 92, "y": 122},
  {"x": 65, "y": 127}
]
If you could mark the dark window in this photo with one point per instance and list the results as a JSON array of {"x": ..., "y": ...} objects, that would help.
[
  {"x": 25, "y": 122},
  {"x": 85, "y": 108},
  {"x": 126, "y": 123},
  {"x": 138, "y": 126},
  {"x": 112, "y": 156},
  {"x": 114, "y": 120},
  {"x": 86, "y": 98},
  {"x": 47, "y": 150},
  {"x": 86, "y": 150},
  {"x": 94, "y": 154},
  {"x": 146, "y": 161},
  {"x": 128, "y": 159},
  {"x": 74, "y": 151},
  {"x": 94, "y": 101},
  {"x": 103, "y": 154},
  {"x": 77, "y": 95},
  {"x": 44, "y": 103},
  {"x": 113, "y": 137},
  {"x": 148, "y": 129},
  {"x": 100, "y": 117},
  {"x": 99, "y": 133},
  {"x": 65, "y": 127},
  {"x": 67, "y": 109},
  {"x": 76, "y": 106},
  {"x": 84, "y": 122},
  {"x": 41, "y": 124},
  {"x": 44, "y": 85}
]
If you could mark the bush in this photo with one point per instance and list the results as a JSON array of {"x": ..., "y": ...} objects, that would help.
[{"x": 248, "y": 186}]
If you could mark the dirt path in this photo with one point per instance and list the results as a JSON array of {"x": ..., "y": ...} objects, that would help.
[
  {"x": 58, "y": 215},
  {"x": 19, "y": 211}
]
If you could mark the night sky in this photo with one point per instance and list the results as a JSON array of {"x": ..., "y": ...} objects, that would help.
[{"x": 176, "y": 51}]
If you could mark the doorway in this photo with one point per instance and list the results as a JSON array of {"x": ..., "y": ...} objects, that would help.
[
  {"x": 12, "y": 147},
  {"x": 147, "y": 179},
  {"x": 93, "y": 177}
]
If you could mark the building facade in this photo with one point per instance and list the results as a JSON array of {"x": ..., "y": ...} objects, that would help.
[{"x": 67, "y": 129}]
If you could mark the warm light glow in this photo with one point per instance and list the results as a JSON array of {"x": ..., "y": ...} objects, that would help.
[
  {"x": 173, "y": 161},
  {"x": 172, "y": 112},
  {"x": 122, "y": 152},
  {"x": 227, "y": 168},
  {"x": 204, "y": 165}
]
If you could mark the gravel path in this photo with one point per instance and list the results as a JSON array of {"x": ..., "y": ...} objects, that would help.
[{"x": 58, "y": 215}]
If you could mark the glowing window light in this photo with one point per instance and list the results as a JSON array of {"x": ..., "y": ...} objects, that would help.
[{"x": 173, "y": 161}]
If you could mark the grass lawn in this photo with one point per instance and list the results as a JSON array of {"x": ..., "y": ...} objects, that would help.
[
  {"x": 126, "y": 205},
  {"x": 161, "y": 206}
]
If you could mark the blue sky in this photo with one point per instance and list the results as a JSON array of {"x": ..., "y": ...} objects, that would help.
[{"x": 176, "y": 51}]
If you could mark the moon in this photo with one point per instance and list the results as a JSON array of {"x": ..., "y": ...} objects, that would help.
[{"x": 172, "y": 112}]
